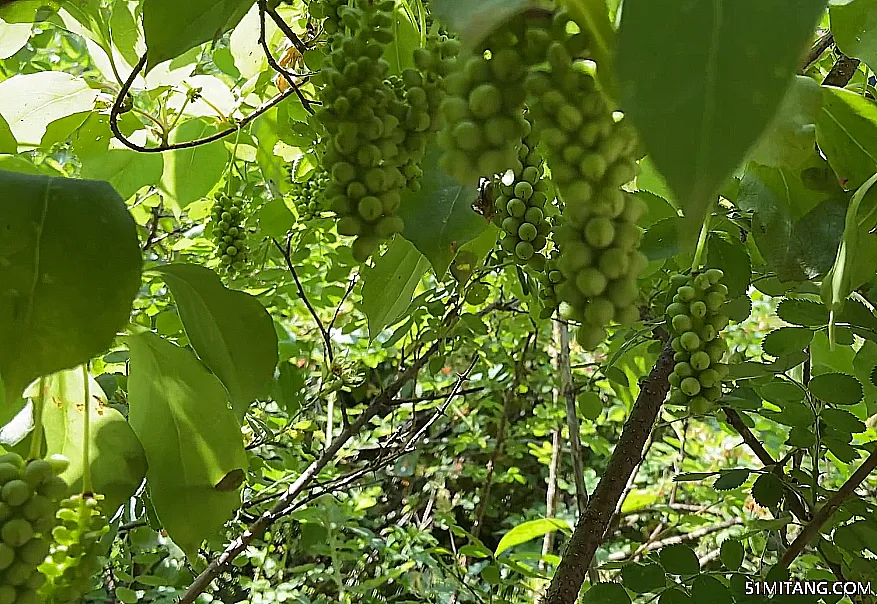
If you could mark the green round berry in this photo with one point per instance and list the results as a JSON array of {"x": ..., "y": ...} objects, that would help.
[
  {"x": 686, "y": 293},
  {"x": 699, "y": 405},
  {"x": 690, "y": 386},
  {"x": 690, "y": 341},
  {"x": 591, "y": 282},
  {"x": 485, "y": 100},
  {"x": 700, "y": 360},
  {"x": 599, "y": 232},
  {"x": 16, "y": 492},
  {"x": 524, "y": 250},
  {"x": 683, "y": 370},
  {"x": 16, "y": 532},
  {"x": 698, "y": 309},
  {"x": 527, "y": 232},
  {"x": 523, "y": 190},
  {"x": 516, "y": 207},
  {"x": 709, "y": 377},
  {"x": 589, "y": 337},
  {"x": 681, "y": 323}
]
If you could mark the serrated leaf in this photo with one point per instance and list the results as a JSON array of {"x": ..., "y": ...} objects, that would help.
[
  {"x": 801, "y": 437},
  {"x": 70, "y": 268},
  {"x": 661, "y": 240},
  {"x": 605, "y": 593},
  {"x": 730, "y": 255},
  {"x": 231, "y": 331},
  {"x": 643, "y": 578},
  {"x": 841, "y": 419},
  {"x": 792, "y": 414},
  {"x": 388, "y": 286},
  {"x": 675, "y": 596},
  {"x": 168, "y": 390},
  {"x": 118, "y": 462},
  {"x": 679, "y": 559},
  {"x": 836, "y": 388},
  {"x": 731, "y": 479},
  {"x": 786, "y": 340},
  {"x": 780, "y": 392},
  {"x": 847, "y": 134},
  {"x": 731, "y": 554},
  {"x": 439, "y": 218},
  {"x": 738, "y": 309},
  {"x": 767, "y": 490},
  {"x": 171, "y": 28},
  {"x": 803, "y": 312},
  {"x": 713, "y": 125},
  {"x": 842, "y": 450},
  {"x": 529, "y": 530},
  {"x": 874, "y": 377}
]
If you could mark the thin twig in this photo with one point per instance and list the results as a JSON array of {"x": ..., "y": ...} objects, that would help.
[
  {"x": 286, "y": 253},
  {"x": 350, "y": 287},
  {"x": 273, "y": 62},
  {"x": 824, "y": 42},
  {"x": 287, "y": 31}
]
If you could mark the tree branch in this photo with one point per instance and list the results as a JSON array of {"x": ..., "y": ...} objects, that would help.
[
  {"x": 824, "y": 42},
  {"x": 592, "y": 525},
  {"x": 822, "y": 516},
  {"x": 690, "y": 536},
  {"x": 241, "y": 543}
]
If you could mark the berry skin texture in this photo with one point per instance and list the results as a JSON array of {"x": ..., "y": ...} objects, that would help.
[{"x": 694, "y": 321}]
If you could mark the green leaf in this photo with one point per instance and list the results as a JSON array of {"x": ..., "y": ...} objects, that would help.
[
  {"x": 706, "y": 588},
  {"x": 661, "y": 240},
  {"x": 847, "y": 135},
  {"x": 475, "y": 20},
  {"x": 190, "y": 174},
  {"x": 439, "y": 218},
  {"x": 118, "y": 463},
  {"x": 697, "y": 139},
  {"x": 8, "y": 144},
  {"x": 589, "y": 405},
  {"x": 593, "y": 17},
  {"x": 767, "y": 490},
  {"x": 69, "y": 268},
  {"x": 605, "y": 593},
  {"x": 842, "y": 419},
  {"x": 388, "y": 286},
  {"x": 798, "y": 217},
  {"x": 617, "y": 376},
  {"x": 529, "y": 530},
  {"x": 674, "y": 596},
  {"x": 789, "y": 140},
  {"x": 643, "y": 578},
  {"x": 729, "y": 254},
  {"x": 858, "y": 242},
  {"x": 786, "y": 340},
  {"x": 731, "y": 479},
  {"x": 731, "y": 554},
  {"x": 803, "y": 312},
  {"x": 128, "y": 171},
  {"x": 231, "y": 331},
  {"x": 29, "y": 103},
  {"x": 679, "y": 559},
  {"x": 275, "y": 219},
  {"x": 192, "y": 439},
  {"x": 692, "y": 476},
  {"x": 854, "y": 27},
  {"x": 801, "y": 437},
  {"x": 738, "y": 309},
  {"x": 836, "y": 388},
  {"x": 399, "y": 54},
  {"x": 171, "y": 28},
  {"x": 658, "y": 207},
  {"x": 841, "y": 449},
  {"x": 288, "y": 388}
]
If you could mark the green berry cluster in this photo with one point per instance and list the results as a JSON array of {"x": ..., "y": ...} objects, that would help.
[
  {"x": 522, "y": 204},
  {"x": 30, "y": 493},
  {"x": 309, "y": 195},
  {"x": 363, "y": 146},
  {"x": 483, "y": 123},
  {"x": 229, "y": 235},
  {"x": 72, "y": 562},
  {"x": 590, "y": 156},
  {"x": 694, "y": 319},
  {"x": 551, "y": 280},
  {"x": 328, "y": 12}
]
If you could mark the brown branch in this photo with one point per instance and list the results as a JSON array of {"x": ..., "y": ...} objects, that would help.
[
  {"x": 822, "y": 516},
  {"x": 592, "y": 525},
  {"x": 764, "y": 457},
  {"x": 263, "y": 7},
  {"x": 824, "y": 42},
  {"x": 240, "y": 544},
  {"x": 287, "y": 31},
  {"x": 676, "y": 539}
]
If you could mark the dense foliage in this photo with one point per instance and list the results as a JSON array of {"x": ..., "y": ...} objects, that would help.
[{"x": 401, "y": 301}]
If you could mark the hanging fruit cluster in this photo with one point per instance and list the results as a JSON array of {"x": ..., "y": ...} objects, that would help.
[
  {"x": 73, "y": 561},
  {"x": 551, "y": 280},
  {"x": 694, "y": 320},
  {"x": 309, "y": 195},
  {"x": 30, "y": 493},
  {"x": 229, "y": 234},
  {"x": 521, "y": 204}
]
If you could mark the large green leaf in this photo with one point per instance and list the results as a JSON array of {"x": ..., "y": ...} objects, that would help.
[
  {"x": 118, "y": 462},
  {"x": 69, "y": 268},
  {"x": 798, "y": 217},
  {"x": 789, "y": 140},
  {"x": 29, "y": 103},
  {"x": 529, "y": 530},
  {"x": 388, "y": 286},
  {"x": 854, "y": 26},
  {"x": 854, "y": 263},
  {"x": 171, "y": 28},
  {"x": 836, "y": 388},
  {"x": 230, "y": 331},
  {"x": 683, "y": 91},
  {"x": 679, "y": 559},
  {"x": 729, "y": 254},
  {"x": 847, "y": 135},
  {"x": 190, "y": 174},
  {"x": 125, "y": 169},
  {"x": 606, "y": 593},
  {"x": 439, "y": 218},
  {"x": 192, "y": 439},
  {"x": 13, "y": 37}
]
